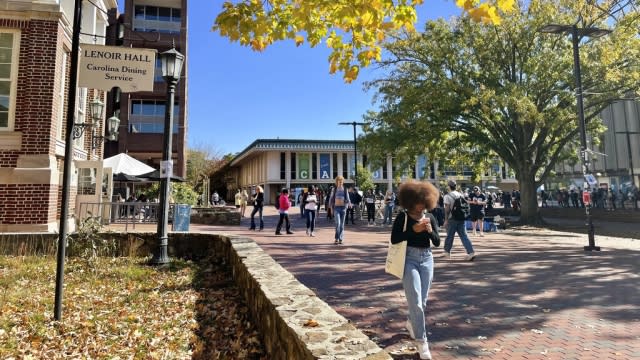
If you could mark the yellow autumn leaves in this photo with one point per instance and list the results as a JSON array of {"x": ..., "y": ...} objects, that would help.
[{"x": 353, "y": 29}]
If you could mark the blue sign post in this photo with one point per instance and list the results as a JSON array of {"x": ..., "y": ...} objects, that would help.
[{"x": 181, "y": 217}]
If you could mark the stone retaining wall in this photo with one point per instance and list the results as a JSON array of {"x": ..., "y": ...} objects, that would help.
[
  {"x": 216, "y": 215},
  {"x": 293, "y": 321}
]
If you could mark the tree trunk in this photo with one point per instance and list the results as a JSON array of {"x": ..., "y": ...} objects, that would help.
[{"x": 528, "y": 198}]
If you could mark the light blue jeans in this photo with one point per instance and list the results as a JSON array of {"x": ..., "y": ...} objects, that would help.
[
  {"x": 418, "y": 273},
  {"x": 453, "y": 227},
  {"x": 388, "y": 214},
  {"x": 339, "y": 215}
]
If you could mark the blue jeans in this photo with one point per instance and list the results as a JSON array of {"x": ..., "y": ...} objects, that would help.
[
  {"x": 253, "y": 213},
  {"x": 311, "y": 219},
  {"x": 388, "y": 213},
  {"x": 453, "y": 227},
  {"x": 339, "y": 214},
  {"x": 418, "y": 273}
]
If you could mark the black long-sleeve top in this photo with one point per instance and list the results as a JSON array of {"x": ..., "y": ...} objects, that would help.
[{"x": 422, "y": 239}]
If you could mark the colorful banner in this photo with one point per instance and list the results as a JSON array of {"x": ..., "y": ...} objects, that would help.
[
  {"x": 325, "y": 166},
  {"x": 303, "y": 167},
  {"x": 353, "y": 167}
]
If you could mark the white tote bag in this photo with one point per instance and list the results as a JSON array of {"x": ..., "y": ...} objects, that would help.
[{"x": 396, "y": 255}]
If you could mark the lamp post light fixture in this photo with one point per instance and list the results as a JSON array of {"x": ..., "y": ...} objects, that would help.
[
  {"x": 576, "y": 35},
  {"x": 171, "y": 64},
  {"x": 355, "y": 148}
]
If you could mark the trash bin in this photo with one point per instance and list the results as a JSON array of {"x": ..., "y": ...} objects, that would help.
[{"x": 181, "y": 217}]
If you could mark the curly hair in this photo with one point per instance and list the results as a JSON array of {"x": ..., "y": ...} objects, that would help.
[{"x": 412, "y": 193}]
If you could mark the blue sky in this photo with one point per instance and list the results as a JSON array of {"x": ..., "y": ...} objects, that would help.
[{"x": 237, "y": 95}]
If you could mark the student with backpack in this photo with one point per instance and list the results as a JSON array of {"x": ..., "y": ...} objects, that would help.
[{"x": 456, "y": 211}]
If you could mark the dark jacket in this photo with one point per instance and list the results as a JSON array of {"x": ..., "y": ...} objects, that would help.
[{"x": 422, "y": 239}]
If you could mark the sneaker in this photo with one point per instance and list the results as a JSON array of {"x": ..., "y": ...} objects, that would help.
[
  {"x": 312, "y": 234},
  {"x": 410, "y": 329},
  {"x": 474, "y": 233},
  {"x": 290, "y": 232},
  {"x": 336, "y": 242},
  {"x": 423, "y": 349},
  {"x": 307, "y": 232},
  {"x": 278, "y": 233},
  {"x": 481, "y": 234},
  {"x": 447, "y": 255},
  {"x": 340, "y": 242},
  {"x": 470, "y": 257}
]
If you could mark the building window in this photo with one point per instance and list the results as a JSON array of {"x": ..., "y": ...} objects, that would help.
[
  {"x": 147, "y": 116},
  {"x": 345, "y": 166},
  {"x": 293, "y": 166},
  {"x": 9, "y": 48},
  {"x": 314, "y": 166},
  {"x": 334, "y": 165},
  {"x": 156, "y": 18},
  {"x": 283, "y": 166},
  {"x": 87, "y": 181},
  {"x": 62, "y": 91},
  {"x": 81, "y": 114},
  {"x": 157, "y": 72}
]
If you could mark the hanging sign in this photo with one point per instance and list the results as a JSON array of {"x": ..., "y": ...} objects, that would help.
[{"x": 104, "y": 67}]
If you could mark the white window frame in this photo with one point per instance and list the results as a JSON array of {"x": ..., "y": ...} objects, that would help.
[
  {"x": 81, "y": 114},
  {"x": 13, "y": 78},
  {"x": 61, "y": 95}
]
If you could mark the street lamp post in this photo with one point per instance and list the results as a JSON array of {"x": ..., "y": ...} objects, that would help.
[
  {"x": 576, "y": 35},
  {"x": 172, "y": 62},
  {"x": 355, "y": 148}
]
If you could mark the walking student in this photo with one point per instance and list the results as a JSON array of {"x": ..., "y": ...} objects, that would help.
[
  {"x": 285, "y": 204},
  {"x": 339, "y": 201},
  {"x": 454, "y": 221},
  {"x": 389, "y": 204},
  {"x": 478, "y": 202},
  {"x": 370, "y": 203},
  {"x": 421, "y": 232},
  {"x": 311, "y": 205},
  {"x": 258, "y": 202}
]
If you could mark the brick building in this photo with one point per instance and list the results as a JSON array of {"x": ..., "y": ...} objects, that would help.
[
  {"x": 151, "y": 24},
  {"x": 35, "y": 43}
]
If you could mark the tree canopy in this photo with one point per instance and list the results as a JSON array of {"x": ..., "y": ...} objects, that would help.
[
  {"x": 353, "y": 29},
  {"x": 478, "y": 91}
]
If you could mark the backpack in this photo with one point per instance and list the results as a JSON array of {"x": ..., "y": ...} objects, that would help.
[{"x": 460, "y": 209}]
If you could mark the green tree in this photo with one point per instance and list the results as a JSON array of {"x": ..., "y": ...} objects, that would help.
[
  {"x": 364, "y": 180},
  {"x": 352, "y": 29},
  {"x": 465, "y": 89}
]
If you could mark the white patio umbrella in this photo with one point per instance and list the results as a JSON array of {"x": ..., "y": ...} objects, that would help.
[{"x": 123, "y": 163}]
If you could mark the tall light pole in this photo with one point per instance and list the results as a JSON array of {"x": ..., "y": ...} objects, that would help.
[
  {"x": 355, "y": 148},
  {"x": 172, "y": 62},
  {"x": 576, "y": 35}
]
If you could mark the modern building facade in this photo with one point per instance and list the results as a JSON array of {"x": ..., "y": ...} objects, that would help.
[
  {"x": 616, "y": 161},
  {"x": 160, "y": 25},
  {"x": 294, "y": 163},
  {"x": 35, "y": 46}
]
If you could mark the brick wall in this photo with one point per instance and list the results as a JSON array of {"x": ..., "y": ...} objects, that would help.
[{"x": 37, "y": 107}]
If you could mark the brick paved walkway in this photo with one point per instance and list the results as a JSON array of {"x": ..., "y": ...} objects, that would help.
[{"x": 530, "y": 294}]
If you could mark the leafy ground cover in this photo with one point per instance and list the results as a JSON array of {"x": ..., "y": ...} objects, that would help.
[{"x": 120, "y": 308}]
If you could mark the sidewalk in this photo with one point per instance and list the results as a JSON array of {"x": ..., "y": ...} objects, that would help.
[{"x": 530, "y": 294}]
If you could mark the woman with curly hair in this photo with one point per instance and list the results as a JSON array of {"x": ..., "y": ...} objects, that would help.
[{"x": 415, "y": 197}]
